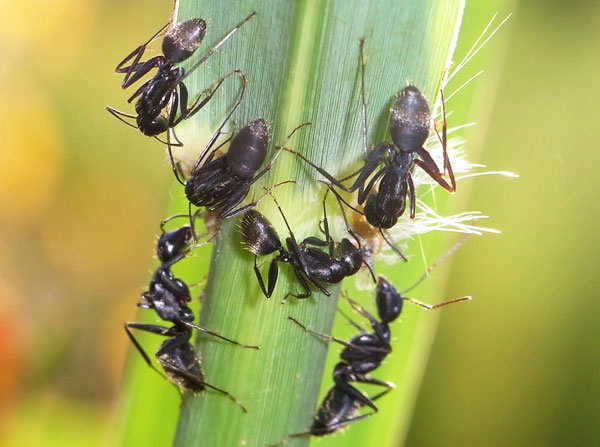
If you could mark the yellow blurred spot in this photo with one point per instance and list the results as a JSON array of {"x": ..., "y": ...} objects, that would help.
[
  {"x": 50, "y": 34},
  {"x": 30, "y": 153},
  {"x": 98, "y": 236}
]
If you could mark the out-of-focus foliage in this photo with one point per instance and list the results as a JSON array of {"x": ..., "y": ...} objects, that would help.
[{"x": 82, "y": 194}]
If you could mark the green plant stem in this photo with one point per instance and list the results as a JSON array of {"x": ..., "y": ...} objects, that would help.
[
  {"x": 301, "y": 59},
  {"x": 313, "y": 74}
]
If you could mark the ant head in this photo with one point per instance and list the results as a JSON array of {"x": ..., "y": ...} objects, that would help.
[
  {"x": 183, "y": 39},
  {"x": 350, "y": 257},
  {"x": 173, "y": 243},
  {"x": 389, "y": 301},
  {"x": 258, "y": 235}
]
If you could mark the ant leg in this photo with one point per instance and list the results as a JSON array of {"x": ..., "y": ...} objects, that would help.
[
  {"x": 328, "y": 337},
  {"x": 174, "y": 166},
  {"x": 119, "y": 115},
  {"x": 273, "y": 271},
  {"x": 154, "y": 329},
  {"x": 305, "y": 285},
  {"x": 356, "y": 394},
  {"x": 139, "y": 70},
  {"x": 351, "y": 321},
  {"x": 435, "y": 306},
  {"x": 216, "y": 334},
  {"x": 338, "y": 425},
  {"x": 137, "y": 55},
  {"x": 412, "y": 195},
  {"x": 218, "y": 44},
  {"x": 363, "y": 191},
  {"x": 392, "y": 245},
  {"x": 192, "y": 218},
  {"x": 430, "y": 167},
  {"x": 438, "y": 262},
  {"x": 199, "y": 381},
  {"x": 296, "y": 248},
  {"x": 139, "y": 90},
  {"x": 170, "y": 218},
  {"x": 328, "y": 238},
  {"x": 367, "y": 262},
  {"x": 444, "y": 141},
  {"x": 219, "y": 131},
  {"x": 270, "y": 164},
  {"x": 236, "y": 199},
  {"x": 340, "y": 200},
  {"x": 328, "y": 241},
  {"x": 361, "y": 310},
  {"x": 188, "y": 111},
  {"x": 345, "y": 422},
  {"x": 363, "y": 103},
  {"x": 333, "y": 427},
  {"x": 321, "y": 171},
  {"x": 363, "y": 378}
]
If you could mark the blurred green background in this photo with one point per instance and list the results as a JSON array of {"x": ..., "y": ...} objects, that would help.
[{"x": 82, "y": 194}]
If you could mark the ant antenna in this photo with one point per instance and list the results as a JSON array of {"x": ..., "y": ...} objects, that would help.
[
  {"x": 278, "y": 148},
  {"x": 216, "y": 47},
  {"x": 438, "y": 262},
  {"x": 282, "y": 215},
  {"x": 356, "y": 237},
  {"x": 435, "y": 306}
]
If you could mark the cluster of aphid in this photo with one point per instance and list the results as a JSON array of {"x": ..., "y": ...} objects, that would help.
[{"x": 220, "y": 184}]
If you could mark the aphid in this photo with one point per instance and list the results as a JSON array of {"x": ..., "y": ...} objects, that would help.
[
  {"x": 161, "y": 90},
  {"x": 362, "y": 354},
  {"x": 221, "y": 184},
  {"x": 410, "y": 121},
  {"x": 311, "y": 265},
  {"x": 169, "y": 296}
]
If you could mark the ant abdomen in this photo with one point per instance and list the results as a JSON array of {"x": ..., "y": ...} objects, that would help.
[
  {"x": 410, "y": 119},
  {"x": 258, "y": 234},
  {"x": 248, "y": 149},
  {"x": 183, "y": 39},
  {"x": 181, "y": 364}
]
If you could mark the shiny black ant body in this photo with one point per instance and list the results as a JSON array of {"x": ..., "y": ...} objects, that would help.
[
  {"x": 221, "y": 184},
  {"x": 410, "y": 121},
  {"x": 311, "y": 265},
  {"x": 362, "y": 354},
  {"x": 169, "y": 296},
  {"x": 161, "y": 90}
]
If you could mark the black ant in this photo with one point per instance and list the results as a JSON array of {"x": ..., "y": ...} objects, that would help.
[
  {"x": 160, "y": 91},
  {"x": 362, "y": 354},
  {"x": 311, "y": 265},
  {"x": 169, "y": 296},
  {"x": 410, "y": 121},
  {"x": 221, "y": 184}
]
